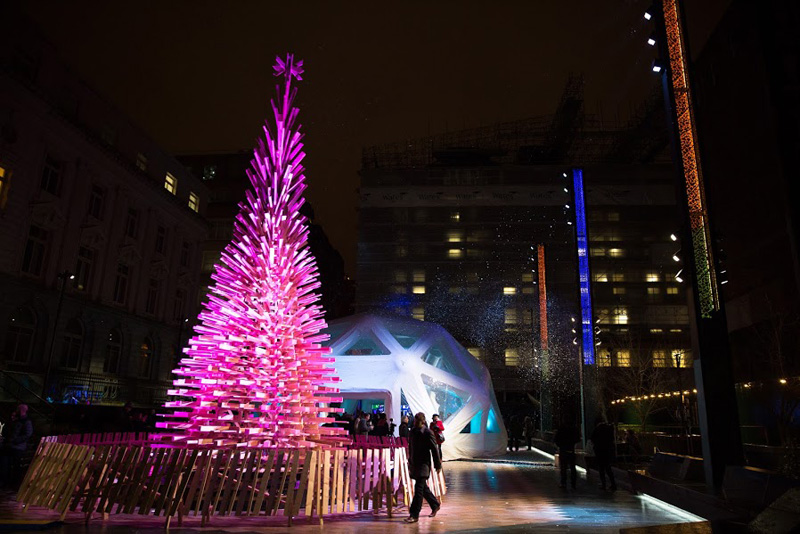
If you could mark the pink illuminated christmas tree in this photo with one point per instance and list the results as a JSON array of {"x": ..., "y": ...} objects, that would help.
[{"x": 256, "y": 374}]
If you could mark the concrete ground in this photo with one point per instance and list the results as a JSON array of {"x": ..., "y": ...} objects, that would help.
[{"x": 517, "y": 493}]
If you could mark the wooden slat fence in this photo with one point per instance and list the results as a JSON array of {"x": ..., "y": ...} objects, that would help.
[{"x": 124, "y": 474}]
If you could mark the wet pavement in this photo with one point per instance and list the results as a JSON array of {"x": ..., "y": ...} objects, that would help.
[{"x": 518, "y": 494}]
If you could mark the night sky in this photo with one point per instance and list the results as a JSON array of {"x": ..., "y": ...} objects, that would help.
[{"x": 196, "y": 75}]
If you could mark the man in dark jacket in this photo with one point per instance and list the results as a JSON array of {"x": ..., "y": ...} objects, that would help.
[
  {"x": 15, "y": 443},
  {"x": 603, "y": 443},
  {"x": 421, "y": 447},
  {"x": 403, "y": 431},
  {"x": 566, "y": 437}
]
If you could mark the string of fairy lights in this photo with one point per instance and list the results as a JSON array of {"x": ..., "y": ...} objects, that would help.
[{"x": 686, "y": 392}]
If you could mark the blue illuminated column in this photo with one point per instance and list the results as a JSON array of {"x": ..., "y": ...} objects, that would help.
[{"x": 587, "y": 326}]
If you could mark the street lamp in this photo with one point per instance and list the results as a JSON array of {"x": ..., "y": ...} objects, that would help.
[{"x": 64, "y": 276}]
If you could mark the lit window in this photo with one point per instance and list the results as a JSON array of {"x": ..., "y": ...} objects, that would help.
[
  {"x": 604, "y": 359},
  {"x": 618, "y": 277},
  {"x": 653, "y": 290},
  {"x": 399, "y": 289},
  {"x": 194, "y": 202},
  {"x": 455, "y": 216},
  {"x": 527, "y": 277},
  {"x": 418, "y": 313},
  {"x": 509, "y": 291},
  {"x": 476, "y": 352},
  {"x": 601, "y": 277},
  {"x": 619, "y": 290},
  {"x": 418, "y": 290},
  {"x": 455, "y": 236},
  {"x": 672, "y": 291},
  {"x": 620, "y": 316},
  {"x": 597, "y": 251},
  {"x": 675, "y": 330},
  {"x": 656, "y": 331},
  {"x": 681, "y": 358},
  {"x": 652, "y": 277},
  {"x": 659, "y": 358},
  {"x": 511, "y": 316},
  {"x": 171, "y": 184},
  {"x": 455, "y": 253},
  {"x": 141, "y": 162},
  {"x": 512, "y": 357},
  {"x": 527, "y": 290},
  {"x": 400, "y": 276},
  {"x": 623, "y": 358},
  {"x": 616, "y": 252},
  {"x": 613, "y": 216},
  {"x": 419, "y": 276}
]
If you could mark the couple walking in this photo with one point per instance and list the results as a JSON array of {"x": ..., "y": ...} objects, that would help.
[{"x": 422, "y": 447}]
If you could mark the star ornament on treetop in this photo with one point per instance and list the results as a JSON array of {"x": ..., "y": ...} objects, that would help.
[{"x": 288, "y": 67}]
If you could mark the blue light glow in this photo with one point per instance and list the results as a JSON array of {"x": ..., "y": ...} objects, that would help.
[{"x": 583, "y": 268}]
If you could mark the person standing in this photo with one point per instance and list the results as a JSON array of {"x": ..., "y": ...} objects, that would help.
[
  {"x": 515, "y": 433},
  {"x": 422, "y": 447},
  {"x": 403, "y": 430},
  {"x": 566, "y": 437},
  {"x": 381, "y": 426},
  {"x": 437, "y": 427},
  {"x": 529, "y": 430},
  {"x": 392, "y": 426},
  {"x": 603, "y": 442},
  {"x": 15, "y": 443}
]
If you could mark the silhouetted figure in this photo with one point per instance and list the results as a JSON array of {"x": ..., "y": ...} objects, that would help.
[
  {"x": 603, "y": 442},
  {"x": 634, "y": 447},
  {"x": 529, "y": 430},
  {"x": 15, "y": 442},
  {"x": 392, "y": 426},
  {"x": 422, "y": 447},
  {"x": 126, "y": 418},
  {"x": 403, "y": 430},
  {"x": 566, "y": 437},
  {"x": 381, "y": 426},
  {"x": 514, "y": 433}
]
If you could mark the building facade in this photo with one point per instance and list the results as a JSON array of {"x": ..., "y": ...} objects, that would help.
[
  {"x": 482, "y": 241},
  {"x": 100, "y": 233}
]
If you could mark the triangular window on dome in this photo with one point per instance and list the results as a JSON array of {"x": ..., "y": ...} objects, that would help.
[
  {"x": 442, "y": 358},
  {"x": 446, "y": 399},
  {"x": 405, "y": 409},
  {"x": 492, "y": 425},
  {"x": 366, "y": 344},
  {"x": 474, "y": 425}
]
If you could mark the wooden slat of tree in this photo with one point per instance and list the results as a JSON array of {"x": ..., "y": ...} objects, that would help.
[
  {"x": 189, "y": 469},
  {"x": 341, "y": 489},
  {"x": 311, "y": 493},
  {"x": 303, "y": 486},
  {"x": 229, "y": 482},
  {"x": 222, "y": 478},
  {"x": 273, "y": 491},
  {"x": 291, "y": 483},
  {"x": 32, "y": 477},
  {"x": 194, "y": 486},
  {"x": 77, "y": 463},
  {"x": 108, "y": 483},
  {"x": 83, "y": 484},
  {"x": 138, "y": 478},
  {"x": 123, "y": 483},
  {"x": 238, "y": 492},
  {"x": 206, "y": 497},
  {"x": 326, "y": 482},
  {"x": 265, "y": 478},
  {"x": 361, "y": 473},
  {"x": 352, "y": 478},
  {"x": 153, "y": 482},
  {"x": 248, "y": 478},
  {"x": 49, "y": 478},
  {"x": 173, "y": 469},
  {"x": 284, "y": 481},
  {"x": 94, "y": 484}
]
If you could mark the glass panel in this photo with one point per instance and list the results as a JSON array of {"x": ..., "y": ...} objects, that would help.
[
  {"x": 492, "y": 426},
  {"x": 447, "y": 400},
  {"x": 366, "y": 345},
  {"x": 335, "y": 331},
  {"x": 443, "y": 359},
  {"x": 474, "y": 425}
]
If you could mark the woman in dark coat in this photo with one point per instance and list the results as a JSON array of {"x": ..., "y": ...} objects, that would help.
[{"x": 421, "y": 447}]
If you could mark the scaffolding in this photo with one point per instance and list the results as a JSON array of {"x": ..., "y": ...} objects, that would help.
[{"x": 570, "y": 136}]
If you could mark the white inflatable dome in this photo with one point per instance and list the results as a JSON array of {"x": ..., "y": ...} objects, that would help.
[{"x": 414, "y": 366}]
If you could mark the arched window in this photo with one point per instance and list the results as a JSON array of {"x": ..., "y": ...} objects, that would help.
[
  {"x": 19, "y": 340},
  {"x": 146, "y": 356},
  {"x": 113, "y": 351},
  {"x": 72, "y": 344}
]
